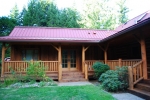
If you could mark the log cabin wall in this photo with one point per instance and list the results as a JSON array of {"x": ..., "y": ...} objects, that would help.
[
  {"x": 125, "y": 51},
  {"x": 48, "y": 53},
  {"x": 45, "y": 53},
  {"x": 94, "y": 53},
  {"x": 147, "y": 41},
  {"x": 148, "y": 50}
]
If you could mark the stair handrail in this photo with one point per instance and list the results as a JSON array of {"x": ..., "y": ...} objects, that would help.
[{"x": 135, "y": 74}]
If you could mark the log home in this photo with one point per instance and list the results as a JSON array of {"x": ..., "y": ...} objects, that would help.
[{"x": 69, "y": 53}]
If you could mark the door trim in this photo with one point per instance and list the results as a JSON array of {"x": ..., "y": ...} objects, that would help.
[{"x": 69, "y": 60}]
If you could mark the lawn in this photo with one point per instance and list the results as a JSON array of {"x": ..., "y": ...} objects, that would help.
[{"x": 88, "y": 92}]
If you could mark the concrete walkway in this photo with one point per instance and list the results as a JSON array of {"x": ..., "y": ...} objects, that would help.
[
  {"x": 73, "y": 83},
  {"x": 118, "y": 96}
]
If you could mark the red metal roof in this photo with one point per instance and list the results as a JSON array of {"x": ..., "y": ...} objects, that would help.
[
  {"x": 49, "y": 34},
  {"x": 134, "y": 21}
]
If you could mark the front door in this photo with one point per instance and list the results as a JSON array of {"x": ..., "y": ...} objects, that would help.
[{"x": 69, "y": 60}]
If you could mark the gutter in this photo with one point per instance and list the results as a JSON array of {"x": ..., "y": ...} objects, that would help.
[{"x": 135, "y": 26}]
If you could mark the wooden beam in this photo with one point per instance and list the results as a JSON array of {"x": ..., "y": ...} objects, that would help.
[
  {"x": 105, "y": 56},
  {"x": 120, "y": 62},
  {"x": 130, "y": 76},
  {"x": 107, "y": 45},
  {"x": 3, "y": 57},
  {"x": 55, "y": 47},
  {"x": 59, "y": 54},
  {"x": 105, "y": 53},
  {"x": 143, "y": 55},
  {"x": 7, "y": 47},
  {"x": 86, "y": 48},
  {"x": 83, "y": 58},
  {"x": 60, "y": 63},
  {"x": 86, "y": 71},
  {"x": 101, "y": 47},
  {"x": 138, "y": 39}
]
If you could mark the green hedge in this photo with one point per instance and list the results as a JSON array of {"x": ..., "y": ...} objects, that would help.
[
  {"x": 99, "y": 68},
  {"x": 115, "y": 80}
]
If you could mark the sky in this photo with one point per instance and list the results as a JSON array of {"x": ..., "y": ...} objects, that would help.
[{"x": 136, "y": 7}]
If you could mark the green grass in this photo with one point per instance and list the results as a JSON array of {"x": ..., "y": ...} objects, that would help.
[{"x": 88, "y": 92}]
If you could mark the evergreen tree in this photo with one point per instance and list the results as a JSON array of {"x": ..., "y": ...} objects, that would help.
[
  {"x": 6, "y": 25},
  {"x": 97, "y": 15},
  {"x": 123, "y": 10},
  {"x": 14, "y": 13}
]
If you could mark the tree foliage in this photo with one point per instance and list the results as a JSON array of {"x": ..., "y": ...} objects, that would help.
[
  {"x": 6, "y": 25},
  {"x": 123, "y": 10},
  {"x": 46, "y": 13},
  {"x": 14, "y": 14},
  {"x": 96, "y": 14},
  {"x": 100, "y": 14}
]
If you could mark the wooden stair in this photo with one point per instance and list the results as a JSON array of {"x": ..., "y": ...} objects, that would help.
[
  {"x": 53, "y": 75},
  {"x": 142, "y": 89},
  {"x": 72, "y": 76}
]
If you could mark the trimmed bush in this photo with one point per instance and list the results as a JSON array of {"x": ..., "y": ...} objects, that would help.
[
  {"x": 99, "y": 68},
  {"x": 115, "y": 80}
]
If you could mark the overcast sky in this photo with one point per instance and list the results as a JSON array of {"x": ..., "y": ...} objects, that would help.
[{"x": 136, "y": 6}]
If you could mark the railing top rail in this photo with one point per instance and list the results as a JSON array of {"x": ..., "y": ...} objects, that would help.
[
  {"x": 29, "y": 61},
  {"x": 131, "y": 60},
  {"x": 93, "y": 60},
  {"x": 111, "y": 60},
  {"x": 137, "y": 64}
]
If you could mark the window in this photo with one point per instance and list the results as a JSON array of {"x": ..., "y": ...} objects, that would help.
[{"x": 30, "y": 54}]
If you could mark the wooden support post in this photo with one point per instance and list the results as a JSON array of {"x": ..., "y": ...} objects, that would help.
[
  {"x": 3, "y": 57},
  {"x": 120, "y": 62},
  {"x": 130, "y": 77},
  {"x": 105, "y": 52},
  {"x": 60, "y": 72},
  {"x": 86, "y": 72},
  {"x": 143, "y": 55},
  {"x": 83, "y": 58},
  {"x": 105, "y": 56},
  {"x": 60, "y": 64}
]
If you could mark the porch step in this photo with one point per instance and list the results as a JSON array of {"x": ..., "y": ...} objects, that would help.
[
  {"x": 142, "y": 89},
  {"x": 143, "y": 86},
  {"x": 141, "y": 93},
  {"x": 145, "y": 81},
  {"x": 53, "y": 75},
  {"x": 72, "y": 76}
]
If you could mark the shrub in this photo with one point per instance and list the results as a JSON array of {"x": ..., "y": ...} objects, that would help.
[
  {"x": 114, "y": 80},
  {"x": 123, "y": 76},
  {"x": 99, "y": 68},
  {"x": 9, "y": 80},
  {"x": 35, "y": 71}
]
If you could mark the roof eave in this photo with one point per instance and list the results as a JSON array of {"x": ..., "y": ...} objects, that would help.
[
  {"x": 126, "y": 30},
  {"x": 78, "y": 41}
]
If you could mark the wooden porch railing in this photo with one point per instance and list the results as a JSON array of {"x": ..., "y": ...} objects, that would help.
[
  {"x": 135, "y": 73},
  {"x": 111, "y": 63},
  {"x": 21, "y": 66},
  {"x": 120, "y": 62},
  {"x": 90, "y": 63}
]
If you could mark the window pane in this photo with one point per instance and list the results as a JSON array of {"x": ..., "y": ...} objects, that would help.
[{"x": 29, "y": 54}]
